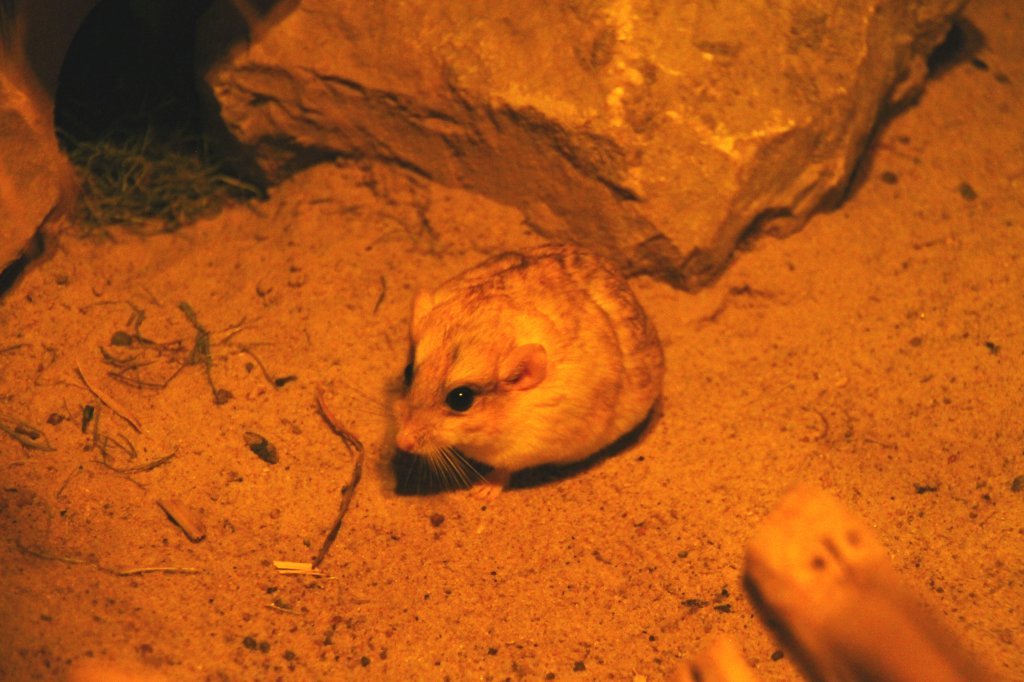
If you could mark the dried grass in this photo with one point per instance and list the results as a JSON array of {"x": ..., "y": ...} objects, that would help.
[{"x": 150, "y": 182}]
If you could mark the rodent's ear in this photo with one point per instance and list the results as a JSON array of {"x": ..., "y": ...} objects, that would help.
[
  {"x": 523, "y": 368},
  {"x": 422, "y": 304}
]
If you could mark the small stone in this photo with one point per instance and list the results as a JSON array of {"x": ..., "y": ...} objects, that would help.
[
  {"x": 1018, "y": 484},
  {"x": 262, "y": 447},
  {"x": 436, "y": 519},
  {"x": 579, "y": 666},
  {"x": 967, "y": 192},
  {"x": 250, "y": 643},
  {"x": 121, "y": 338},
  {"x": 889, "y": 178}
]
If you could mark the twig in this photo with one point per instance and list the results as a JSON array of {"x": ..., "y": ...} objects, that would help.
[
  {"x": 200, "y": 354},
  {"x": 49, "y": 361},
  {"x": 71, "y": 477},
  {"x": 40, "y": 554},
  {"x": 120, "y": 572},
  {"x": 148, "y": 466},
  {"x": 276, "y": 382},
  {"x": 186, "y": 518},
  {"x": 347, "y": 492},
  {"x": 383, "y": 292},
  {"x": 109, "y": 402}
]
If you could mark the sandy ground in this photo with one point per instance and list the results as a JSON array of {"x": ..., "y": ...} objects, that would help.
[{"x": 878, "y": 354}]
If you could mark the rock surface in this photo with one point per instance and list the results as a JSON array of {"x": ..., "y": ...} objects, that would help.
[
  {"x": 29, "y": 172},
  {"x": 659, "y": 133},
  {"x": 36, "y": 181}
]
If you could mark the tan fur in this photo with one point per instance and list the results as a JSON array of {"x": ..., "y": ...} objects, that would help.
[{"x": 600, "y": 370}]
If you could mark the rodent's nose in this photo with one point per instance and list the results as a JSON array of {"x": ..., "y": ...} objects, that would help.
[{"x": 406, "y": 441}]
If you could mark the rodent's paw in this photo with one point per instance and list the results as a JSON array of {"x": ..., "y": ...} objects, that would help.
[{"x": 491, "y": 486}]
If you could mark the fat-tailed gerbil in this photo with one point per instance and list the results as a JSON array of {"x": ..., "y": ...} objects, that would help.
[{"x": 541, "y": 357}]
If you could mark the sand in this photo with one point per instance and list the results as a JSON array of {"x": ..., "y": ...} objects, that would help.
[{"x": 878, "y": 354}]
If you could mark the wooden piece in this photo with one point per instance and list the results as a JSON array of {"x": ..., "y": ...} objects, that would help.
[
  {"x": 190, "y": 522},
  {"x": 722, "y": 661},
  {"x": 822, "y": 577}
]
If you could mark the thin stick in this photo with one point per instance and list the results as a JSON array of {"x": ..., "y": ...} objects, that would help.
[
  {"x": 108, "y": 401},
  {"x": 200, "y": 354},
  {"x": 149, "y": 569},
  {"x": 148, "y": 466},
  {"x": 262, "y": 368},
  {"x": 347, "y": 492},
  {"x": 383, "y": 293},
  {"x": 46, "y": 556},
  {"x": 68, "y": 480},
  {"x": 126, "y": 572}
]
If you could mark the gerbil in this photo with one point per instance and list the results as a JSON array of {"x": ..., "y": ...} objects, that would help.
[{"x": 541, "y": 357}]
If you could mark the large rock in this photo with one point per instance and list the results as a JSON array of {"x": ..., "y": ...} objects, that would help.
[
  {"x": 37, "y": 183},
  {"x": 658, "y": 131}
]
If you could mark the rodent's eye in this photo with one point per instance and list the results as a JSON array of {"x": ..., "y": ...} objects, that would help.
[
  {"x": 460, "y": 399},
  {"x": 410, "y": 368}
]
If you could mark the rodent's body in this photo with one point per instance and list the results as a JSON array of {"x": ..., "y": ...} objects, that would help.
[{"x": 551, "y": 351}]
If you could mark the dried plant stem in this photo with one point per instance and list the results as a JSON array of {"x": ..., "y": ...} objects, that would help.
[
  {"x": 355, "y": 447},
  {"x": 120, "y": 572},
  {"x": 108, "y": 401}
]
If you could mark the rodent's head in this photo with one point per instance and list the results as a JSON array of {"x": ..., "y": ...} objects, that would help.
[{"x": 466, "y": 371}]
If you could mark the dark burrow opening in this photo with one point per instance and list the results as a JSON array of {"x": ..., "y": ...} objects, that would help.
[{"x": 128, "y": 115}]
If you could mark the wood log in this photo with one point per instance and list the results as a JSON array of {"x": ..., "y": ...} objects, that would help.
[
  {"x": 722, "y": 661},
  {"x": 823, "y": 580}
]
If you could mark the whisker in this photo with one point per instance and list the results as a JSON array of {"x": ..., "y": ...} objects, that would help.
[
  {"x": 454, "y": 477},
  {"x": 369, "y": 404},
  {"x": 467, "y": 473},
  {"x": 436, "y": 470},
  {"x": 451, "y": 473},
  {"x": 464, "y": 468}
]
